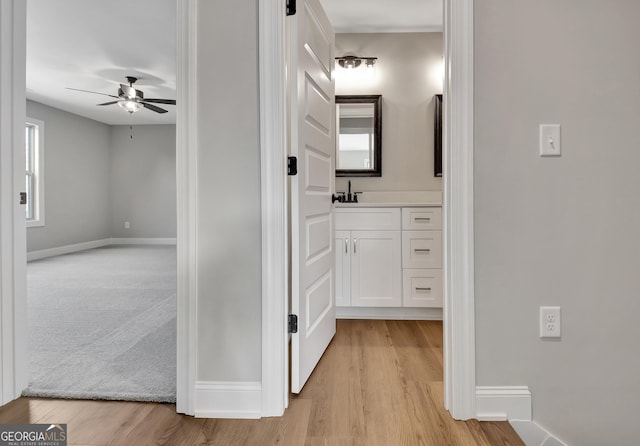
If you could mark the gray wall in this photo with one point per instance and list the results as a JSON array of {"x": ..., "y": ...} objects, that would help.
[
  {"x": 96, "y": 178},
  {"x": 408, "y": 75},
  {"x": 143, "y": 181},
  {"x": 560, "y": 231},
  {"x": 229, "y": 228},
  {"x": 76, "y": 153}
]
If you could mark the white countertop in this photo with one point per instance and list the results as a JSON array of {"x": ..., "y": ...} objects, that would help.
[{"x": 396, "y": 199}]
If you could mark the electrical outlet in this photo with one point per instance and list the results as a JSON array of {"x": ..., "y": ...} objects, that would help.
[
  {"x": 127, "y": 225},
  {"x": 550, "y": 326}
]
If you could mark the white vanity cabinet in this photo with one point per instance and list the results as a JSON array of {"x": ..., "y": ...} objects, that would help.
[
  {"x": 422, "y": 257},
  {"x": 368, "y": 257}
]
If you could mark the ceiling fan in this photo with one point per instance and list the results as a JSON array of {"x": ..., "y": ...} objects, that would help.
[{"x": 131, "y": 99}]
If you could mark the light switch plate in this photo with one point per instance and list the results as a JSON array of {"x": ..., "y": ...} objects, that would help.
[{"x": 550, "y": 140}]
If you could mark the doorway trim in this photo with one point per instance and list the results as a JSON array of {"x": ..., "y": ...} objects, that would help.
[
  {"x": 459, "y": 316},
  {"x": 187, "y": 205},
  {"x": 13, "y": 302},
  {"x": 458, "y": 206},
  {"x": 273, "y": 155},
  {"x": 14, "y": 365}
]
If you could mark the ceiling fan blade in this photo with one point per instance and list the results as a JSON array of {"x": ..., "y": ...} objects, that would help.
[
  {"x": 94, "y": 92},
  {"x": 161, "y": 101},
  {"x": 153, "y": 108},
  {"x": 109, "y": 103}
]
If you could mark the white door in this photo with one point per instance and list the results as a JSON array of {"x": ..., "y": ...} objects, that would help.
[{"x": 313, "y": 142}]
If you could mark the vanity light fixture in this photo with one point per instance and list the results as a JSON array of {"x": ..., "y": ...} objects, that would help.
[{"x": 351, "y": 62}]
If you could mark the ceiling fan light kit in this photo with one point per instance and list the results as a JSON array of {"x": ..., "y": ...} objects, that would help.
[
  {"x": 130, "y": 105},
  {"x": 131, "y": 99}
]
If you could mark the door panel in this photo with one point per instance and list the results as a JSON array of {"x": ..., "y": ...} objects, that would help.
[
  {"x": 312, "y": 222},
  {"x": 376, "y": 279}
]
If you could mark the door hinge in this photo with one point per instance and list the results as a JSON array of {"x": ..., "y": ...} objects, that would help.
[
  {"x": 23, "y": 198},
  {"x": 293, "y": 323},
  {"x": 292, "y": 166},
  {"x": 291, "y": 7}
]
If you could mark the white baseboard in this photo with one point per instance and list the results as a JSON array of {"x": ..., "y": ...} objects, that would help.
[
  {"x": 143, "y": 241},
  {"x": 503, "y": 403},
  {"x": 409, "y": 314},
  {"x": 216, "y": 399},
  {"x": 533, "y": 434},
  {"x": 60, "y": 250},
  {"x": 68, "y": 249}
]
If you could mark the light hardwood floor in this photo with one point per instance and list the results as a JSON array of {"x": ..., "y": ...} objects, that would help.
[{"x": 378, "y": 384}]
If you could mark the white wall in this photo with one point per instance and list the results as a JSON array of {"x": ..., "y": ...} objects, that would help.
[
  {"x": 408, "y": 74},
  {"x": 560, "y": 231},
  {"x": 76, "y": 160},
  {"x": 143, "y": 181},
  {"x": 229, "y": 228}
]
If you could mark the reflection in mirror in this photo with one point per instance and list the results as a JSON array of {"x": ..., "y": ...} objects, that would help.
[{"x": 358, "y": 148}]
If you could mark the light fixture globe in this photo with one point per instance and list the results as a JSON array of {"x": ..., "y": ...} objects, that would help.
[
  {"x": 370, "y": 61},
  {"x": 349, "y": 62},
  {"x": 130, "y": 105}
]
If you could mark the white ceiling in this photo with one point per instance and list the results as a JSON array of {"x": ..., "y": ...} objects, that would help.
[
  {"x": 384, "y": 16},
  {"x": 94, "y": 44}
]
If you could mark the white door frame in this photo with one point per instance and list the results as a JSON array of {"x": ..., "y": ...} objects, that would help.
[
  {"x": 459, "y": 304},
  {"x": 13, "y": 302},
  {"x": 275, "y": 259},
  {"x": 14, "y": 372},
  {"x": 187, "y": 200},
  {"x": 459, "y": 349}
]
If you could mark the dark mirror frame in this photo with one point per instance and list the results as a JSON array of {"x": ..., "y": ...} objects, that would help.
[
  {"x": 437, "y": 136},
  {"x": 376, "y": 100}
]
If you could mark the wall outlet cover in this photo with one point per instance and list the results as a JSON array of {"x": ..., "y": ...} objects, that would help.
[{"x": 550, "y": 323}]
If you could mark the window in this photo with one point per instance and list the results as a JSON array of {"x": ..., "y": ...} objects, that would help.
[{"x": 34, "y": 156}]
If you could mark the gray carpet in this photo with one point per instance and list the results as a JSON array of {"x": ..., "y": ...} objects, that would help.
[{"x": 102, "y": 324}]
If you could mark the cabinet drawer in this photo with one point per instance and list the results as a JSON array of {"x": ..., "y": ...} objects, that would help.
[
  {"x": 422, "y": 218},
  {"x": 367, "y": 219},
  {"x": 421, "y": 249},
  {"x": 422, "y": 288}
]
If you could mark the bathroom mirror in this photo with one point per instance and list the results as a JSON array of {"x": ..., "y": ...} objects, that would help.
[{"x": 359, "y": 136}]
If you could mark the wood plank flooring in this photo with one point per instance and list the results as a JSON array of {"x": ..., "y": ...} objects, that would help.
[{"x": 378, "y": 384}]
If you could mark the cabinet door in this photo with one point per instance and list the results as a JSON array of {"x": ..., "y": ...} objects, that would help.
[
  {"x": 343, "y": 268},
  {"x": 376, "y": 269}
]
